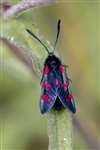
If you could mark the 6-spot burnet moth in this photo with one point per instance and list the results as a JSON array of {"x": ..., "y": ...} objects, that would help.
[{"x": 55, "y": 84}]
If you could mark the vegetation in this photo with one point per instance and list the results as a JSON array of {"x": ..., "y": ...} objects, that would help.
[{"x": 22, "y": 126}]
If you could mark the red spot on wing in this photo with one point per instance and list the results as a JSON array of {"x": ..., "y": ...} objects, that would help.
[
  {"x": 61, "y": 68},
  {"x": 57, "y": 82},
  {"x": 46, "y": 70},
  {"x": 46, "y": 85},
  {"x": 69, "y": 97},
  {"x": 65, "y": 85},
  {"x": 46, "y": 99}
]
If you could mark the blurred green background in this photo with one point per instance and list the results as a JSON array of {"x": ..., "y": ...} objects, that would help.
[{"x": 22, "y": 127}]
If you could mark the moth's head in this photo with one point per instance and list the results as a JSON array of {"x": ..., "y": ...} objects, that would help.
[{"x": 52, "y": 61}]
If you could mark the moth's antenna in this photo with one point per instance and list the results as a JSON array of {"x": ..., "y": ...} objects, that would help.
[
  {"x": 58, "y": 31},
  {"x": 33, "y": 35}
]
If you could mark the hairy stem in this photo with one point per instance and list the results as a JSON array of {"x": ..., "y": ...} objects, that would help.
[
  {"x": 59, "y": 130},
  {"x": 24, "y": 5}
]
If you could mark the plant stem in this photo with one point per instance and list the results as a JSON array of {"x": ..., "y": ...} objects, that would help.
[
  {"x": 24, "y": 5},
  {"x": 59, "y": 130}
]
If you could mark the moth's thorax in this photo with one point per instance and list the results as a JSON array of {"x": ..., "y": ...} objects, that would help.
[{"x": 53, "y": 62}]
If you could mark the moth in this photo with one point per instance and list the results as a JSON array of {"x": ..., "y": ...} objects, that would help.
[{"x": 55, "y": 84}]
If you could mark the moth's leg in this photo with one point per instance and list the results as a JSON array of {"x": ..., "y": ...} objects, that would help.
[{"x": 66, "y": 66}]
